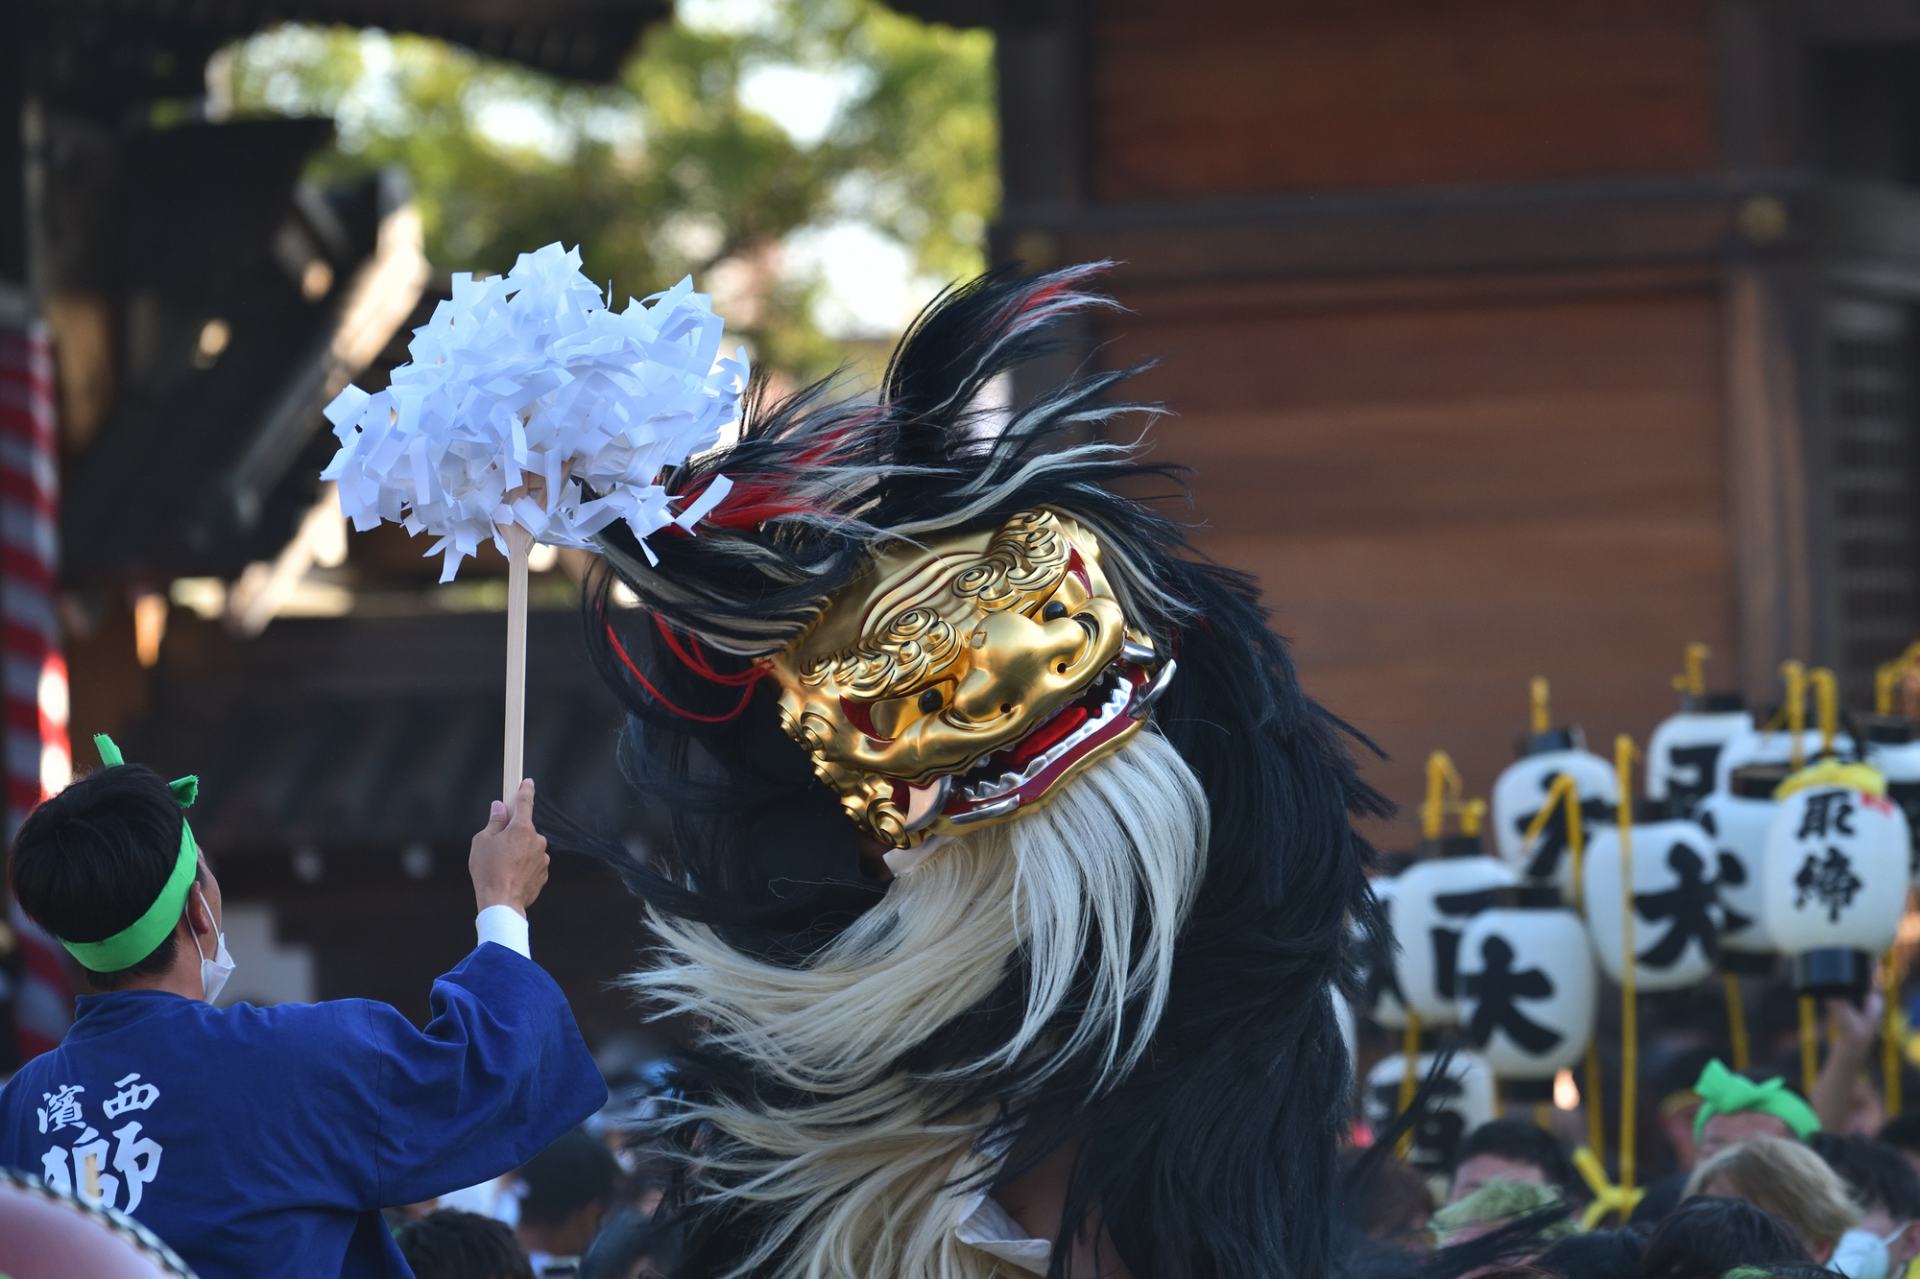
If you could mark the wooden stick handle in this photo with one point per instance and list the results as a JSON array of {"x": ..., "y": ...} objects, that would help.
[{"x": 519, "y": 547}]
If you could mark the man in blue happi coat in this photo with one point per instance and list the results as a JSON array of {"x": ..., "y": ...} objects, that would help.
[{"x": 265, "y": 1141}]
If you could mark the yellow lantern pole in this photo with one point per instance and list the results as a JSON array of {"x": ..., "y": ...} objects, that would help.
[
  {"x": 1576, "y": 854},
  {"x": 1886, "y": 684},
  {"x": 1809, "y": 1045},
  {"x": 1737, "y": 1040},
  {"x": 1596, "y": 1103},
  {"x": 1795, "y": 674},
  {"x": 1443, "y": 779},
  {"x": 1563, "y": 793},
  {"x": 1576, "y": 839},
  {"x": 1885, "y": 680},
  {"x": 1736, "y": 1023},
  {"x": 1409, "y": 1076},
  {"x": 1826, "y": 693},
  {"x": 1827, "y": 715},
  {"x": 1692, "y": 681},
  {"x": 1624, "y": 755},
  {"x": 1887, "y": 677},
  {"x": 1693, "y": 678}
]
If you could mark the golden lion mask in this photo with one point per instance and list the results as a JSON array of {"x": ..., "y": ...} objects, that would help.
[{"x": 964, "y": 682}]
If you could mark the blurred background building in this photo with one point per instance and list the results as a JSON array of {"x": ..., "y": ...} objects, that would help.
[
  {"x": 213, "y": 217},
  {"x": 1504, "y": 340},
  {"x": 1510, "y": 339}
]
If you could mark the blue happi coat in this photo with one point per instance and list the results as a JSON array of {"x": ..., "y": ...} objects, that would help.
[{"x": 264, "y": 1141}]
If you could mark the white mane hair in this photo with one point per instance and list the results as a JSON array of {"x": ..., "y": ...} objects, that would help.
[{"x": 869, "y": 1173}]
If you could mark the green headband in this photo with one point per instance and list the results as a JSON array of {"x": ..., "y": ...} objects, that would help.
[
  {"x": 1724, "y": 1093},
  {"x": 143, "y": 936}
]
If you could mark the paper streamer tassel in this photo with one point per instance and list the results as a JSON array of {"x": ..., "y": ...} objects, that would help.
[{"x": 528, "y": 400}]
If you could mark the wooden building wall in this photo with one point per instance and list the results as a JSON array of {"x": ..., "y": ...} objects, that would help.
[
  {"x": 1444, "y": 497},
  {"x": 1497, "y": 334},
  {"x": 1242, "y": 98}
]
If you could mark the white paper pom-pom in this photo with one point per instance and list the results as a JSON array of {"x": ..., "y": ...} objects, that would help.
[{"x": 524, "y": 394}]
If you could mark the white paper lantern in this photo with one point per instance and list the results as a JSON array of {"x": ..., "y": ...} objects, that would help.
[
  {"x": 1775, "y": 748},
  {"x": 1736, "y": 820},
  {"x": 1835, "y": 884},
  {"x": 1433, "y": 902},
  {"x": 1521, "y": 790},
  {"x": 1461, "y": 1101},
  {"x": 1894, "y": 749},
  {"x": 1685, "y": 748},
  {"x": 1527, "y": 991},
  {"x": 1677, "y": 917},
  {"x": 1378, "y": 980}
]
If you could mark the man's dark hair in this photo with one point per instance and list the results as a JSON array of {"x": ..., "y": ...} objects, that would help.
[
  {"x": 1657, "y": 1199},
  {"x": 462, "y": 1245},
  {"x": 565, "y": 1177},
  {"x": 1902, "y": 1132},
  {"x": 90, "y": 861},
  {"x": 1598, "y": 1254},
  {"x": 1874, "y": 1173},
  {"x": 1707, "y": 1236},
  {"x": 1525, "y": 1143}
]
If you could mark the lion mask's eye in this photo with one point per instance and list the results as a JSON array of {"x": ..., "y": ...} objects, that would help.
[
  {"x": 895, "y": 715},
  {"x": 1068, "y": 596}
]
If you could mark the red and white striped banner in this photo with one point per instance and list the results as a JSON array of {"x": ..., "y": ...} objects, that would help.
[{"x": 38, "y": 754}]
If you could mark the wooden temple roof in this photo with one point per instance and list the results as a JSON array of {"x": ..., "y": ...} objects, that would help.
[{"x": 150, "y": 41}]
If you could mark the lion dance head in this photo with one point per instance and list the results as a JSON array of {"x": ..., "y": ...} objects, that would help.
[{"x": 1000, "y": 840}]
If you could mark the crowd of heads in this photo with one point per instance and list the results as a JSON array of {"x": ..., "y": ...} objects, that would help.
[
  {"x": 1746, "y": 1186},
  {"x": 1772, "y": 1206},
  {"x": 580, "y": 1208},
  {"x": 1759, "y": 1192}
]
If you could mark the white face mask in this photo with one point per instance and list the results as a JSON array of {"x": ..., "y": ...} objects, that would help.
[
  {"x": 213, "y": 972},
  {"x": 1860, "y": 1255}
]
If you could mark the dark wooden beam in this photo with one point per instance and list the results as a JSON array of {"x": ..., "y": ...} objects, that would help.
[
  {"x": 587, "y": 40},
  {"x": 1579, "y": 226},
  {"x": 1002, "y": 15},
  {"x": 1761, "y": 85},
  {"x": 1044, "y": 146},
  {"x": 1045, "y": 152},
  {"x": 1561, "y": 226},
  {"x": 1768, "y": 393}
]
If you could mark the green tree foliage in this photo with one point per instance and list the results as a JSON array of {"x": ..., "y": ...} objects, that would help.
[{"x": 683, "y": 166}]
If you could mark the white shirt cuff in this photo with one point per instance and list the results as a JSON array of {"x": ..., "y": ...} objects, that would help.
[{"x": 505, "y": 925}]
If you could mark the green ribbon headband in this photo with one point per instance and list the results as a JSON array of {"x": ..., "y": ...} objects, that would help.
[
  {"x": 143, "y": 936},
  {"x": 1724, "y": 1093}
]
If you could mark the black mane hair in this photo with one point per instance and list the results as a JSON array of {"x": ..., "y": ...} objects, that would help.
[{"x": 1215, "y": 1155}]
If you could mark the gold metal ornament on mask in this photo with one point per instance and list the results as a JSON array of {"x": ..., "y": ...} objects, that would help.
[{"x": 964, "y": 682}]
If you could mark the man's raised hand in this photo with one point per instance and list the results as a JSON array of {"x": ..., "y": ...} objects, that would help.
[{"x": 508, "y": 860}]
